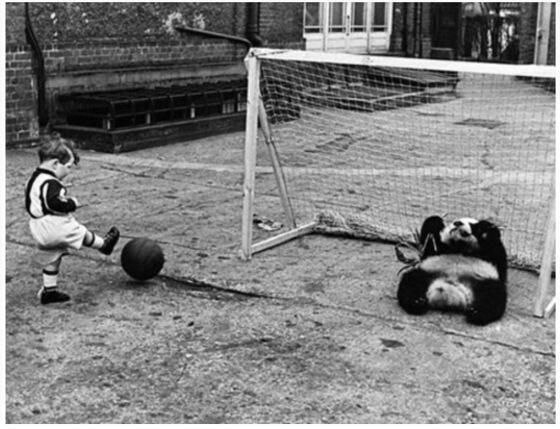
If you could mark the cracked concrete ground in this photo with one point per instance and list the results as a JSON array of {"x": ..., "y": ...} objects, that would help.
[{"x": 308, "y": 332}]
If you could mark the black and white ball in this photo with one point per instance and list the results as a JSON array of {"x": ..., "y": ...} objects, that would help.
[{"x": 463, "y": 268}]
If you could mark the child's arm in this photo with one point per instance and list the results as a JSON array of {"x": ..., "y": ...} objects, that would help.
[{"x": 55, "y": 200}]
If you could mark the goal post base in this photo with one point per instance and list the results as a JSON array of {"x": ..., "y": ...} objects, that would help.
[
  {"x": 281, "y": 239},
  {"x": 550, "y": 308}
]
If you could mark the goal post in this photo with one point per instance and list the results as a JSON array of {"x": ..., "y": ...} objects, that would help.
[
  {"x": 256, "y": 114},
  {"x": 368, "y": 146}
]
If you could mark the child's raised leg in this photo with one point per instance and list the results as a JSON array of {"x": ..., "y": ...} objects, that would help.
[{"x": 106, "y": 244}]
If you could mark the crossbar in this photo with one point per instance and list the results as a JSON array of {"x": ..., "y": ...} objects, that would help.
[{"x": 525, "y": 70}]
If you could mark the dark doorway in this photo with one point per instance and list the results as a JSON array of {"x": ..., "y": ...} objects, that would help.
[{"x": 445, "y": 29}]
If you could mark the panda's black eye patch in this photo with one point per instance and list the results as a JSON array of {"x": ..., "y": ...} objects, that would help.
[{"x": 457, "y": 223}]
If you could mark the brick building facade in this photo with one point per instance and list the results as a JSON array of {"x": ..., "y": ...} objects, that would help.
[{"x": 104, "y": 46}]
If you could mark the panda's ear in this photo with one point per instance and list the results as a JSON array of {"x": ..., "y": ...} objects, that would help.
[{"x": 486, "y": 230}]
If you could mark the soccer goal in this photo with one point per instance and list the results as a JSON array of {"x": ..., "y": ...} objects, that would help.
[{"x": 369, "y": 146}]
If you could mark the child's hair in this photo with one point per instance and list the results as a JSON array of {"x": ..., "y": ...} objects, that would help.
[{"x": 56, "y": 147}]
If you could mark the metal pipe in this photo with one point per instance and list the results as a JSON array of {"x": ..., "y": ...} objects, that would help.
[
  {"x": 404, "y": 41},
  {"x": 43, "y": 112},
  {"x": 213, "y": 34}
]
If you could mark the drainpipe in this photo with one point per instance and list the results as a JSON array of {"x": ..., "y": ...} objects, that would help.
[
  {"x": 404, "y": 41},
  {"x": 420, "y": 32},
  {"x": 415, "y": 31},
  {"x": 39, "y": 70},
  {"x": 252, "y": 30}
]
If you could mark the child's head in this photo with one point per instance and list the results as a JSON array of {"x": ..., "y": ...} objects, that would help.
[{"x": 59, "y": 155}]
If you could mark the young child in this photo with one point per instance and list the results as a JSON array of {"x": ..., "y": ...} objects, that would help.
[{"x": 52, "y": 225}]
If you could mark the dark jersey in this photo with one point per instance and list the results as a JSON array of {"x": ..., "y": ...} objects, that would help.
[{"x": 46, "y": 195}]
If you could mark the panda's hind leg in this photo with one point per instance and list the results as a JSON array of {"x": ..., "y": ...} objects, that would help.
[
  {"x": 489, "y": 302},
  {"x": 411, "y": 294}
]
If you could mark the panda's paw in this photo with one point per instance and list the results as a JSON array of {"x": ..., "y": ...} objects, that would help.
[
  {"x": 418, "y": 306},
  {"x": 432, "y": 225},
  {"x": 475, "y": 317}
]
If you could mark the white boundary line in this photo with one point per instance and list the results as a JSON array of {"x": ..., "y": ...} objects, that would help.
[{"x": 486, "y": 178}]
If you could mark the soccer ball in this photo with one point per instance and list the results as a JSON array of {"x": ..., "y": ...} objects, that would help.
[{"x": 142, "y": 258}]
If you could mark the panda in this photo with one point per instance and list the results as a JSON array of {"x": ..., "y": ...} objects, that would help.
[{"x": 462, "y": 268}]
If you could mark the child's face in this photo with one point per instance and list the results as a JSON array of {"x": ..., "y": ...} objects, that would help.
[{"x": 61, "y": 170}]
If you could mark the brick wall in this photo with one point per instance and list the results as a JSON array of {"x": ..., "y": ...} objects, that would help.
[
  {"x": 194, "y": 51},
  {"x": 98, "y": 46},
  {"x": 281, "y": 25},
  {"x": 98, "y": 22},
  {"x": 21, "y": 113}
]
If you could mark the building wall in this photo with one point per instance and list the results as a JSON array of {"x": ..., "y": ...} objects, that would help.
[
  {"x": 103, "y": 46},
  {"x": 417, "y": 44},
  {"x": 527, "y": 34}
]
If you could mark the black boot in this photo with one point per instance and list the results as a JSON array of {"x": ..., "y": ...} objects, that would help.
[
  {"x": 110, "y": 240},
  {"x": 50, "y": 295}
]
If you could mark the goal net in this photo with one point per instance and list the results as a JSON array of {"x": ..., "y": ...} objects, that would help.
[{"x": 370, "y": 146}]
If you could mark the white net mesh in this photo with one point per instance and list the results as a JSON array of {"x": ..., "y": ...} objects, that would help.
[{"x": 372, "y": 151}]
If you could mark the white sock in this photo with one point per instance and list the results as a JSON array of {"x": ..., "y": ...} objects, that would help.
[
  {"x": 50, "y": 279},
  {"x": 93, "y": 240}
]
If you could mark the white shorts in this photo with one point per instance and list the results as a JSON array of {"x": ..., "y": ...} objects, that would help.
[{"x": 56, "y": 235}]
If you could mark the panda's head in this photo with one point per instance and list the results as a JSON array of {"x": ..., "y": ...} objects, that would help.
[
  {"x": 468, "y": 235},
  {"x": 462, "y": 235}
]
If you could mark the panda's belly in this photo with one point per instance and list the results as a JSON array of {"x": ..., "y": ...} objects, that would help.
[
  {"x": 454, "y": 276},
  {"x": 459, "y": 267}
]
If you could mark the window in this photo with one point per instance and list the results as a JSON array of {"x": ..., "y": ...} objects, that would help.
[
  {"x": 313, "y": 18},
  {"x": 359, "y": 17},
  {"x": 379, "y": 19},
  {"x": 337, "y": 21}
]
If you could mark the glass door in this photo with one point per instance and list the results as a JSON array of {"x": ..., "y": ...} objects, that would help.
[
  {"x": 359, "y": 27},
  {"x": 380, "y": 26}
]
